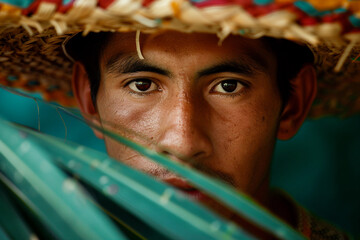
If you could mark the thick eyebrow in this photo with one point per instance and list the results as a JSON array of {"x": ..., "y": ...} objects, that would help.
[
  {"x": 120, "y": 64},
  {"x": 247, "y": 68}
]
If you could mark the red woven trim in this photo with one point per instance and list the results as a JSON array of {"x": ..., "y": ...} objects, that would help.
[
  {"x": 105, "y": 3},
  {"x": 67, "y": 7},
  {"x": 146, "y": 3},
  {"x": 210, "y": 3},
  {"x": 34, "y": 6},
  {"x": 257, "y": 10}
]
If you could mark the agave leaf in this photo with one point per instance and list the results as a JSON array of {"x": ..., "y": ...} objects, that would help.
[
  {"x": 27, "y": 209},
  {"x": 58, "y": 200},
  {"x": 156, "y": 203},
  {"x": 239, "y": 202},
  {"x": 11, "y": 220},
  {"x": 3, "y": 234}
]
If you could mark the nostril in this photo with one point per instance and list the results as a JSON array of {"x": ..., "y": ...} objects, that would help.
[
  {"x": 184, "y": 143},
  {"x": 198, "y": 154},
  {"x": 165, "y": 152},
  {"x": 177, "y": 157}
]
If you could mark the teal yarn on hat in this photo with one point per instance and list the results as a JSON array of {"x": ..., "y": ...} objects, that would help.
[
  {"x": 263, "y": 2},
  {"x": 354, "y": 21},
  {"x": 19, "y": 3}
]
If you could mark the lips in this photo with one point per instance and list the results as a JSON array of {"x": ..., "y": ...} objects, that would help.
[{"x": 186, "y": 188}]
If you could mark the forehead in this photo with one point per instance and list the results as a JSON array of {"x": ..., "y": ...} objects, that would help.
[{"x": 192, "y": 47}]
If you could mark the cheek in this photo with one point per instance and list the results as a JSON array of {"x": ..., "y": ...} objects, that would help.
[
  {"x": 138, "y": 122},
  {"x": 244, "y": 135},
  {"x": 127, "y": 116},
  {"x": 248, "y": 123},
  {"x": 244, "y": 138}
]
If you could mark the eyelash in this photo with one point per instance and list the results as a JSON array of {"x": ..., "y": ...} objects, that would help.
[
  {"x": 141, "y": 93},
  {"x": 245, "y": 87}
]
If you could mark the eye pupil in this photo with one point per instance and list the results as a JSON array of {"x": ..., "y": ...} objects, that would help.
[
  {"x": 229, "y": 85},
  {"x": 143, "y": 85}
]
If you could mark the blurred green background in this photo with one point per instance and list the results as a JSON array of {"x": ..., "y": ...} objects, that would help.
[{"x": 319, "y": 167}]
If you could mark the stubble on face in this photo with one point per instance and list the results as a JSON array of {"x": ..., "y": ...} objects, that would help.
[{"x": 228, "y": 136}]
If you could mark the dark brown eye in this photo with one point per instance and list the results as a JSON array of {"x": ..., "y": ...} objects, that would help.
[
  {"x": 143, "y": 85},
  {"x": 228, "y": 86}
]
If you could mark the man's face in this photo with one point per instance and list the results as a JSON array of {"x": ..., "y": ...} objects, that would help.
[{"x": 214, "y": 107}]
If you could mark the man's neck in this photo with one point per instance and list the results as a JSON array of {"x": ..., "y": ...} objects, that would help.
[{"x": 282, "y": 207}]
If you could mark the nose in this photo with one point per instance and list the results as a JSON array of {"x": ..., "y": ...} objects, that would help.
[{"x": 183, "y": 132}]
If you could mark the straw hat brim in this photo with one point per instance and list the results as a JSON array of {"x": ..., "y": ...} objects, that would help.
[{"x": 32, "y": 56}]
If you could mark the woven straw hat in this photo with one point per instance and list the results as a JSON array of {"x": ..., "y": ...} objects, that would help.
[{"x": 33, "y": 33}]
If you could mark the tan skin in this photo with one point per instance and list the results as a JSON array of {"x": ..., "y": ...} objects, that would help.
[{"x": 213, "y": 107}]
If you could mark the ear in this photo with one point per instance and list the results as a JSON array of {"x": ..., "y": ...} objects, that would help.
[
  {"x": 300, "y": 101},
  {"x": 82, "y": 92}
]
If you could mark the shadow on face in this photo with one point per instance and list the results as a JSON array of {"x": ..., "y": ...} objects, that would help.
[{"x": 214, "y": 107}]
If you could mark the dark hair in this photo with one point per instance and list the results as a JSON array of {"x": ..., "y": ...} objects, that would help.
[
  {"x": 87, "y": 50},
  {"x": 290, "y": 57}
]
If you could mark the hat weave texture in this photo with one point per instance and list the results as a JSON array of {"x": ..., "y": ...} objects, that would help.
[{"x": 32, "y": 34}]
